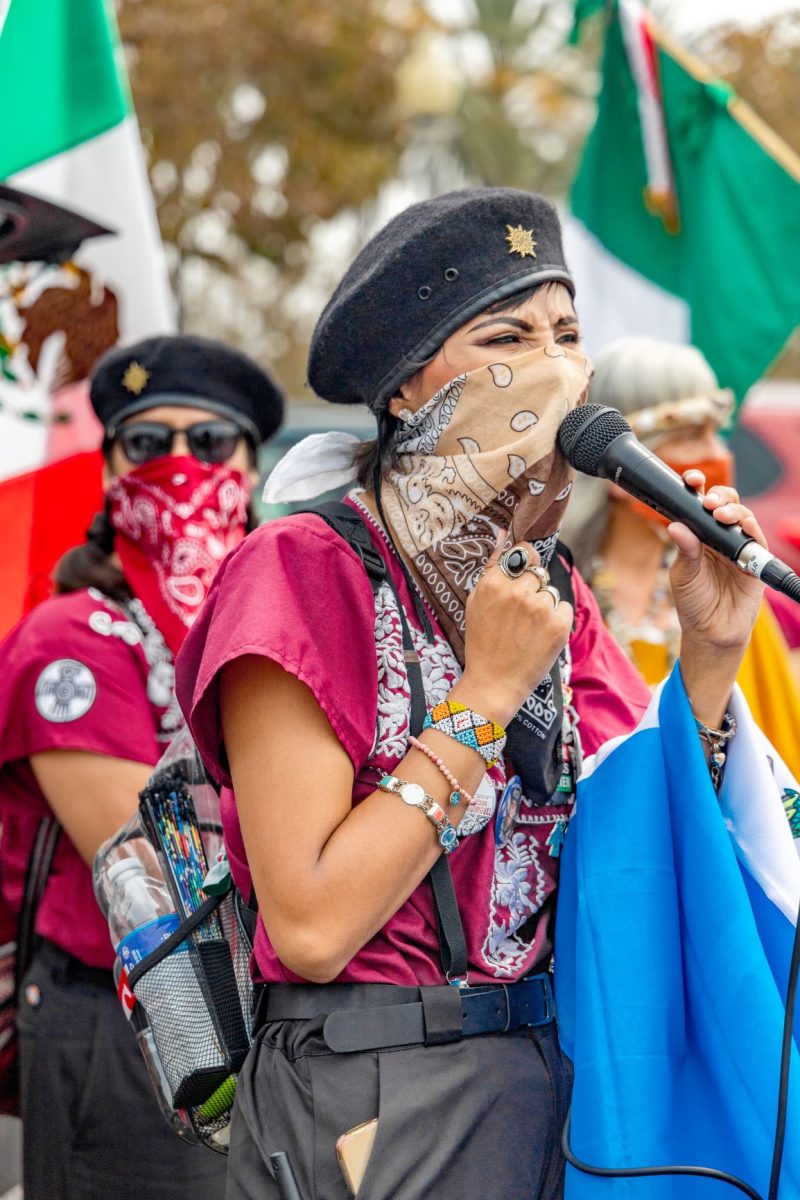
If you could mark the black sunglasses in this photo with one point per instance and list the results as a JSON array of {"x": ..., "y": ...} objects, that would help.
[{"x": 209, "y": 441}]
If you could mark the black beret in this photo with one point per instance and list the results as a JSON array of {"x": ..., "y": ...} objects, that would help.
[
  {"x": 422, "y": 276},
  {"x": 186, "y": 370}
]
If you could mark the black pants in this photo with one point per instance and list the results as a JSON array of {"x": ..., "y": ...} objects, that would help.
[
  {"x": 476, "y": 1119},
  {"x": 91, "y": 1126}
]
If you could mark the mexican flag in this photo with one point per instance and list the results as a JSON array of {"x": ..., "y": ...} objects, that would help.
[
  {"x": 70, "y": 137},
  {"x": 685, "y": 211}
]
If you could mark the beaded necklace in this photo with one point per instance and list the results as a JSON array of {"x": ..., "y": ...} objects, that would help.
[{"x": 658, "y": 627}]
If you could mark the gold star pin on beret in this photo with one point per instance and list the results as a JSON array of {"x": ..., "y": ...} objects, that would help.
[
  {"x": 135, "y": 378},
  {"x": 520, "y": 241}
]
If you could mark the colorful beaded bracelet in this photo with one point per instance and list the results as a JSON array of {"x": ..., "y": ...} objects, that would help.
[
  {"x": 467, "y": 727},
  {"x": 458, "y": 793}
]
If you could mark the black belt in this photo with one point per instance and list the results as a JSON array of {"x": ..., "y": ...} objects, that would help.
[
  {"x": 67, "y": 968},
  {"x": 374, "y": 1016}
]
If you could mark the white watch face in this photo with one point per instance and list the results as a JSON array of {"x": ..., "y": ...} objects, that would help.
[{"x": 412, "y": 793}]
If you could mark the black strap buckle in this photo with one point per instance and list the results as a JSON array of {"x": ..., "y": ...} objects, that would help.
[{"x": 441, "y": 1009}]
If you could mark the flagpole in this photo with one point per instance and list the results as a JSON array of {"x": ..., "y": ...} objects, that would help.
[{"x": 771, "y": 142}]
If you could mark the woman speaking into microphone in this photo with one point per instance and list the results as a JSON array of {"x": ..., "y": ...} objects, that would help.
[{"x": 401, "y": 761}]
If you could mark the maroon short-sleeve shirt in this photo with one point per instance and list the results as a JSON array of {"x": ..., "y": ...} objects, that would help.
[
  {"x": 75, "y": 677},
  {"x": 296, "y": 593}
]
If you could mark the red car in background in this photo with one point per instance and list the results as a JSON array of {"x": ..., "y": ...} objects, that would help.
[{"x": 766, "y": 444}]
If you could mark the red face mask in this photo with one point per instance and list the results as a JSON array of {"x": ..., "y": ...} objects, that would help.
[
  {"x": 718, "y": 473},
  {"x": 175, "y": 519}
]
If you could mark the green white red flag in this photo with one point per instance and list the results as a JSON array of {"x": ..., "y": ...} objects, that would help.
[
  {"x": 70, "y": 136},
  {"x": 685, "y": 211}
]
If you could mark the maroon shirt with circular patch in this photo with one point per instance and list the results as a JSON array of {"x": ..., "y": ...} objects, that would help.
[{"x": 74, "y": 677}]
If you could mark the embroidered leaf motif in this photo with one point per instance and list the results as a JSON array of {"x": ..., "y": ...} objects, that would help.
[{"x": 792, "y": 809}]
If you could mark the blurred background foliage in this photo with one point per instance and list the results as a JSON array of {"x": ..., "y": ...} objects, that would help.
[{"x": 280, "y": 133}]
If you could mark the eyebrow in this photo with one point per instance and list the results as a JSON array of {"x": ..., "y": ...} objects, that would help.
[{"x": 572, "y": 319}]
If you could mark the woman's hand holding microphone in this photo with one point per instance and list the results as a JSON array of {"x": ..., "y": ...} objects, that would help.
[
  {"x": 717, "y": 604},
  {"x": 516, "y": 626}
]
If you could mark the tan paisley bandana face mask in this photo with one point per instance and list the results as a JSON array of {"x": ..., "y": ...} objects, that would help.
[{"x": 478, "y": 457}]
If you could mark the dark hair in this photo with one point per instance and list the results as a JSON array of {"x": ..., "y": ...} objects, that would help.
[
  {"x": 90, "y": 565},
  {"x": 365, "y": 454}
]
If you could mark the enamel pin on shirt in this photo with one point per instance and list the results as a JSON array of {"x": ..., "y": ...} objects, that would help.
[{"x": 507, "y": 810}]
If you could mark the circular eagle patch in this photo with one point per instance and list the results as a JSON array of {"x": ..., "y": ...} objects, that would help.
[{"x": 65, "y": 690}]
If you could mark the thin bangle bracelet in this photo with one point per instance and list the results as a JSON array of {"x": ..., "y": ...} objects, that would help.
[
  {"x": 717, "y": 740},
  {"x": 458, "y": 793}
]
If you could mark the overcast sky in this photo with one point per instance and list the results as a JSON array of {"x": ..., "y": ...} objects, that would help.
[
  {"x": 695, "y": 15},
  {"x": 679, "y": 16}
]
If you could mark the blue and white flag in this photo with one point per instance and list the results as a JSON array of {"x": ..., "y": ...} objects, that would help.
[{"x": 677, "y": 911}]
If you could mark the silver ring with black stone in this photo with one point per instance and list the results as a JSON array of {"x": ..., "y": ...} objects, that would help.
[{"x": 515, "y": 562}]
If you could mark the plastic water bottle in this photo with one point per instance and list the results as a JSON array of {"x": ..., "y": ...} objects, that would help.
[
  {"x": 180, "y": 1043},
  {"x": 129, "y": 842},
  {"x": 178, "y": 1118},
  {"x": 140, "y": 911}
]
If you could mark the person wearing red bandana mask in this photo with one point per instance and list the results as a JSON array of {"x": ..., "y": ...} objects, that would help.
[
  {"x": 674, "y": 405},
  {"x": 88, "y": 706}
]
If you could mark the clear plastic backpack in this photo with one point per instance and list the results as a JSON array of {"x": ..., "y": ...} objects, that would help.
[{"x": 183, "y": 951}]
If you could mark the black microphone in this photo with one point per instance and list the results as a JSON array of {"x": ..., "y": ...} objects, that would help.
[{"x": 599, "y": 441}]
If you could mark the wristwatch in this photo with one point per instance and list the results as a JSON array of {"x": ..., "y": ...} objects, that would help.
[{"x": 416, "y": 796}]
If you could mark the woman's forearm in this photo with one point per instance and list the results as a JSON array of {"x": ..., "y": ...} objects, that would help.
[
  {"x": 328, "y": 875},
  {"x": 367, "y": 868},
  {"x": 709, "y": 674}
]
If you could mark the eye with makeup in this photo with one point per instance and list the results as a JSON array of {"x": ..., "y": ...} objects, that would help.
[
  {"x": 571, "y": 338},
  {"x": 502, "y": 339},
  {"x": 568, "y": 337}
]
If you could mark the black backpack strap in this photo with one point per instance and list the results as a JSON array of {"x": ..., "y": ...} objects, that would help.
[
  {"x": 247, "y": 914},
  {"x": 452, "y": 942},
  {"x": 563, "y": 551},
  {"x": 179, "y": 935},
  {"x": 39, "y": 864},
  {"x": 419, "y": 706},
  {"x": 561, "y": 567},
  {"x": 348, "y": 523}
]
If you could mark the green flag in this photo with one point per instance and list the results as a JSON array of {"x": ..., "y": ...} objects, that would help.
[
  {"x": 583, "y": 10},
  {"x": 70, "y": 138},
  {"x": 680, "y": 202}
]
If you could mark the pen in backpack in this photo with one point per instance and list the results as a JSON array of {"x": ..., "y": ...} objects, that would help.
[
  {"x": 168, "y": 814},
  {"x": 174, "y": 859}
]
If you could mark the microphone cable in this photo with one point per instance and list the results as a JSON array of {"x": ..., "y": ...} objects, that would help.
[
  {"x": 786, "y": 1058},
  {"x": 712, "y": 1172}
]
